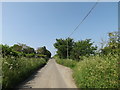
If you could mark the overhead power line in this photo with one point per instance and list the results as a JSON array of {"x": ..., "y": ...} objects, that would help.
[
  {"x": 81, "y": 23},
  {"x": 84, "y": 18}
]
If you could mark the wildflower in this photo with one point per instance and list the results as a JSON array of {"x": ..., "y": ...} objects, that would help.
[
  {"x": 10, "y": 67},
  {"x": 6, "y": 63},
  {"x": 12, "y": 57}
]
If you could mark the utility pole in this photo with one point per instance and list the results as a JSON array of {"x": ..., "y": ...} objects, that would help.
[
  {"x": 67, "y": 49},
  {"x": 80, "y": 24}
]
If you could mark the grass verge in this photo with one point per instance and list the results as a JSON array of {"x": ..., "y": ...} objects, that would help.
[
  {"x": 95, "y": 71},
  {"x": 66, "y": 62},
  {"x": 16, "y": 70}
]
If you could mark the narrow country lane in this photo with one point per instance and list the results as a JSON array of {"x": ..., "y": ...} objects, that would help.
[{"x": 52, "y": 75}]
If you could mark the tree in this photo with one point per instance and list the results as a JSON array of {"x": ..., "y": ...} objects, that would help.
[
  {"x": 28, "y": 50},
  {"x": 75, "y": 49},
  {"x": 7, "y": 51},
  {"x": 61, "y": 46},
  {"x": 113, "y": 44},
  {"x": 23, "y": 50},
  {"x": 83, "y": 48},
  {"x": 48, "y": 53},
  {"x": 43, "y": 52},
  {"x": 18, "y": 50},
  {"x": 17, "y": 47}
]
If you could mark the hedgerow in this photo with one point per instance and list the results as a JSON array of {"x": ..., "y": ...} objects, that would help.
[
  {"x": 95, "y": 71},
  {"x": 16, "y": 70}
]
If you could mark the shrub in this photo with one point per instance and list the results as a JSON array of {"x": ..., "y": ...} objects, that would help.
[
  {"x": 97, "y": 72},
  {"x": 94, "y": 71},
  {"x": 16, "y": 70},
  {"x": 30, "y": 55},
  {"x": 67, "y": 62},
  {"x": 0, "y": 71}
]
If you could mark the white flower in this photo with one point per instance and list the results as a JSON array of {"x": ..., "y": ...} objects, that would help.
[{"x": 10, "y": 67}]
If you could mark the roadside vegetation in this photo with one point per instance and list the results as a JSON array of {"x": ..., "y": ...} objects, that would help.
[
  {"x": 92, "y": 68},
  {"x": 19, "y": 62},
  {"x": 66, "y": 62}
]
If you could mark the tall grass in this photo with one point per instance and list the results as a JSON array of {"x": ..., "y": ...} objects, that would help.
[
  {"x": 16, "y": 70},
  {"x": 0, "y": 72},
  {"x": 67, "y": 62},
  {"x": 96, "y": 72}
]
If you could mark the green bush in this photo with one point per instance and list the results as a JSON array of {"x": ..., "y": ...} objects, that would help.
[
  {"x": 16, "y": 70},
  {"x": 0, "y": 71},
  {"x": 97, "y": 72},
  {"x": 94, "y": 71},
  {"x": 30, "y": 55},
  {"x": 67, "y": 62}
]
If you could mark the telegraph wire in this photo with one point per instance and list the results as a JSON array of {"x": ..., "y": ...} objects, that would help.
[
  {"x": 84, "y": 18},
  {"x": 81, "y": 23}
]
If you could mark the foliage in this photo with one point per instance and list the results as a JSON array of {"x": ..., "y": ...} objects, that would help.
[
  {"x": 82, "y": 48},
  {"x": 17, "y": 47},
  {"x": 23, "y": 48},
  {"x": 19, "y": 50},
  {"x": 97, "y": 72},
  {"x": 30, "y": 55},
  {"x": 40, "y": 56},
  {"x": 18, "y": 62},
  {"x": 61, "y": 46},
  {"x": 16, "y": 70},
  {"x": 94, "y": 71},
  {"x": 113, "y": 45},
  {"x": 28, "y": 50},
  {"x": 67, "y": 62},
  {"x": 43, "y": 51},
  {"x": 0, "y": 71},
  {"x": 7, "y": 51},
  {"x": 75, "y": 49}
]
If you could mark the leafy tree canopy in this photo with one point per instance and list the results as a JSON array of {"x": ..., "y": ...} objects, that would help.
[
  {"x": 62, "y": 45},
  {"x": 75, "y": 49},
  {"x": 43, "y": 51},
  {"x": 113, "y": 44}
]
